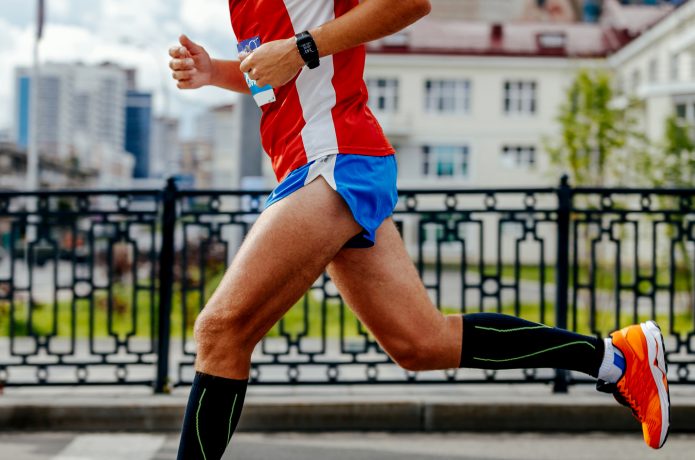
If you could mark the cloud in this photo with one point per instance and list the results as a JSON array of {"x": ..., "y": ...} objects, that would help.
[
  {"x": 18, "y": 42},
  {"x": 206, "y": 16},
  {"x": 133, "y": 33},
  {"x": 59, "y": 9}
]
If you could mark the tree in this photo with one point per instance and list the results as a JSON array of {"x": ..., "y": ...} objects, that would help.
[
  {"x": 676, "y": 168},
  {"x": 677, "y": 163},
  {"x": 596, "y": 133},
  {"x": 599, "y": 145}
]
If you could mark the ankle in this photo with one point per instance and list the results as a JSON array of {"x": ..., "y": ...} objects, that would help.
[{"x": 613, "y": 365}]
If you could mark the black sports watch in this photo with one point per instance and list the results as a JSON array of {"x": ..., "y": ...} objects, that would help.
[{"x": 307, "y": 49}]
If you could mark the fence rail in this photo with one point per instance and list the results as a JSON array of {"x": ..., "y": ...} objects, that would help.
[{"x": 102, "y": 287}]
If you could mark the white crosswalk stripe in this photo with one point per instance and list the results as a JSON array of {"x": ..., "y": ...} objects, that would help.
[{"x": 112, "y": 447}]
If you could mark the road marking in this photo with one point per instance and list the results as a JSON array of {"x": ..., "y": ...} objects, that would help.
[{"x": 112, "y": 447}]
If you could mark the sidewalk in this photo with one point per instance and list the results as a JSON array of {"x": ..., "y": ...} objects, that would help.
[{"x": 340, "y": 408}]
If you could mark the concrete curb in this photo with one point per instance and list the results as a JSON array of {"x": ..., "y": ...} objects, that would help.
[{"x": 159, "y": 414}]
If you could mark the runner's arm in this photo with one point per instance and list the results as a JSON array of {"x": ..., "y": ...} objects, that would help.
[
  {"x": 193, "y": 68},
  {"x": 371, "y": 20},
  {"x": 277, "y": 62},
  {"x": 226, "y": 75}
]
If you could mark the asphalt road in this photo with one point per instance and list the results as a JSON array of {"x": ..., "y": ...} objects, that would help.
[{"x": 348, "y": 446}]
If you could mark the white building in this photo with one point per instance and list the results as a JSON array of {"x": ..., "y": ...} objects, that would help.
[
  {"x": 506, "y": 10},
  {"x": 477, "y": 117},
  {"x": 471, "y": 104},
  {"x": 56, "y": 104},
  {"x": 659, "y": 68},
  {"x": 165, "y": 147},
  {"x": 223, "y": 130},
  {"x": 81, "y": 115},
  {"x": 238, "y": 160}
]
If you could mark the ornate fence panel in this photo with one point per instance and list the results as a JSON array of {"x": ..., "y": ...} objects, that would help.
[
  {"x": 633, "y": 259},
  {"x": 78, "y": 279},
  {"x": 469, "y": 246},
  {"x": 104, "y": 287}
]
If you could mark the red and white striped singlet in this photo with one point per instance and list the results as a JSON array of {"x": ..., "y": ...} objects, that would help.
[{"x": 322, "y": 111}]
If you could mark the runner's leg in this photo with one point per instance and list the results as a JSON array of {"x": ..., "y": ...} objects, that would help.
[
  {"x": 285, "y": 252},
  {"x": 384, "y": 290}
]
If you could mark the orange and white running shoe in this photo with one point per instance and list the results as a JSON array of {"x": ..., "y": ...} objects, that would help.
[{"x": 643, "y": 387}]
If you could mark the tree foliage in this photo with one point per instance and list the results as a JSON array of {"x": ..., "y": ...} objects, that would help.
[
  {"x": 677, "y": 162},
  {"x": 596, "y": 135}
]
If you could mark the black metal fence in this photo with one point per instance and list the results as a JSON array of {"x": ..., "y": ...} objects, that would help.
[{"x": 102, "y": 287}]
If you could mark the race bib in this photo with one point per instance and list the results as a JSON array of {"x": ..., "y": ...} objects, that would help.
[{"x": 262, "y": 95}]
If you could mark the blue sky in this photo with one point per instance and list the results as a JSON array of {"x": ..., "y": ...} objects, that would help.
[{"x": 134, "y": 33}]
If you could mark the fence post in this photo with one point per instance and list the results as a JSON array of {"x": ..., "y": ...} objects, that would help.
[
  {"x": 564, "y": 195},
  {"x": 166, "y": 281}
]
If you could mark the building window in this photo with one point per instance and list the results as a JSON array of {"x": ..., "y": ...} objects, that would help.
[
  {"x": 685, "y": 112},
  {"x": 383, "y": 94},
  {"x": 653, "y": 70},
  {"x": 675, "y": 67},
  {"x": 448, "y": 96},
  {"x": 519, "y": 156},
  {"x": 685, "y": 109},
  {"x": 636, "y": 80},
  {"x": 520, "y": 97},
  {"x": 443, "y": 161},
  {"x": 682, "y": 111},
  {"x": 619, "y": 85}
]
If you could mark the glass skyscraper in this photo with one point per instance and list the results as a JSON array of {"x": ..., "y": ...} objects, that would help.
[{"x": 138, "y": 121}]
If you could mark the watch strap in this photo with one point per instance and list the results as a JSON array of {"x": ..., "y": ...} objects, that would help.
[{"x": 307, "y": 49}]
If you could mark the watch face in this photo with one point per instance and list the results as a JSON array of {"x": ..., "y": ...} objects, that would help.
[{"x": 308, "y": 48}]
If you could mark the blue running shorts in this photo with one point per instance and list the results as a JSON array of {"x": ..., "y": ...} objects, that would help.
[{"x": 366, "y": 183}]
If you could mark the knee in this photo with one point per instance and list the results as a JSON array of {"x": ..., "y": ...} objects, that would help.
[
  {"x": 220, "y": 329},
  {"x": 414, "y": 354}
]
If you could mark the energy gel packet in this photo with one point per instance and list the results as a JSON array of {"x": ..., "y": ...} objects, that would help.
[{"x": 262, "y": 95}]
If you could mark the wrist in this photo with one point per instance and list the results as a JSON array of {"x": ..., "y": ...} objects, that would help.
[
  {"x": 308, "y": 49},
  {"x": 214, "y": 72},
  {"x": 294, "y": 54}
]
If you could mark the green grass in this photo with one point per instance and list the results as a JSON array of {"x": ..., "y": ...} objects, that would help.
[
  {"x": 310, "y": 317},
  {"x": 59, "y": 320},
  {"x": 604, "y": 279}
]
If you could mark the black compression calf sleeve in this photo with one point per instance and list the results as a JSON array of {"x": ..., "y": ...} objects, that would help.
[
  {"x": 212, "y": 414},
  {"x": 494, "y": 341}
]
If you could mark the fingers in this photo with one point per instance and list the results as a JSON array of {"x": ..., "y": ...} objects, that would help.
[
  {"x": 189, "y": 44},
  {"x": 246, "y": 66},
  {"x": 179, "y": 52},
  {"x": 182, "y": 64},
  {"x": 180, "y": 75},
  {"x": 245, "y": 62},
  {"x": 185, "y": 84}
]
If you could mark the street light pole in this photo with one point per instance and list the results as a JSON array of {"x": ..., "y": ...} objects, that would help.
[{"x": 32, "y": 180}]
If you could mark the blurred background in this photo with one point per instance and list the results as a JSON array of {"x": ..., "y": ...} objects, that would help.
[
  {"x": 488, "y": 104},
  {"x": 471, "y": 96},
  {"x": 123, "y": 200}
]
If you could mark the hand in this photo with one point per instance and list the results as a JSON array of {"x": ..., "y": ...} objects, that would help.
[
  {"x": 274, "y": 63},
  {"x": 191, "y": 64}
]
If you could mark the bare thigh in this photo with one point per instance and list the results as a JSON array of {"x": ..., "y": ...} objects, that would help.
[
  {"x": 284, "y": 253},
  {"x": 383, "y": 288}
]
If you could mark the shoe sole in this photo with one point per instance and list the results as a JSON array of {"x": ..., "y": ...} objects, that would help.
[{"x": 655, "y": 350}]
